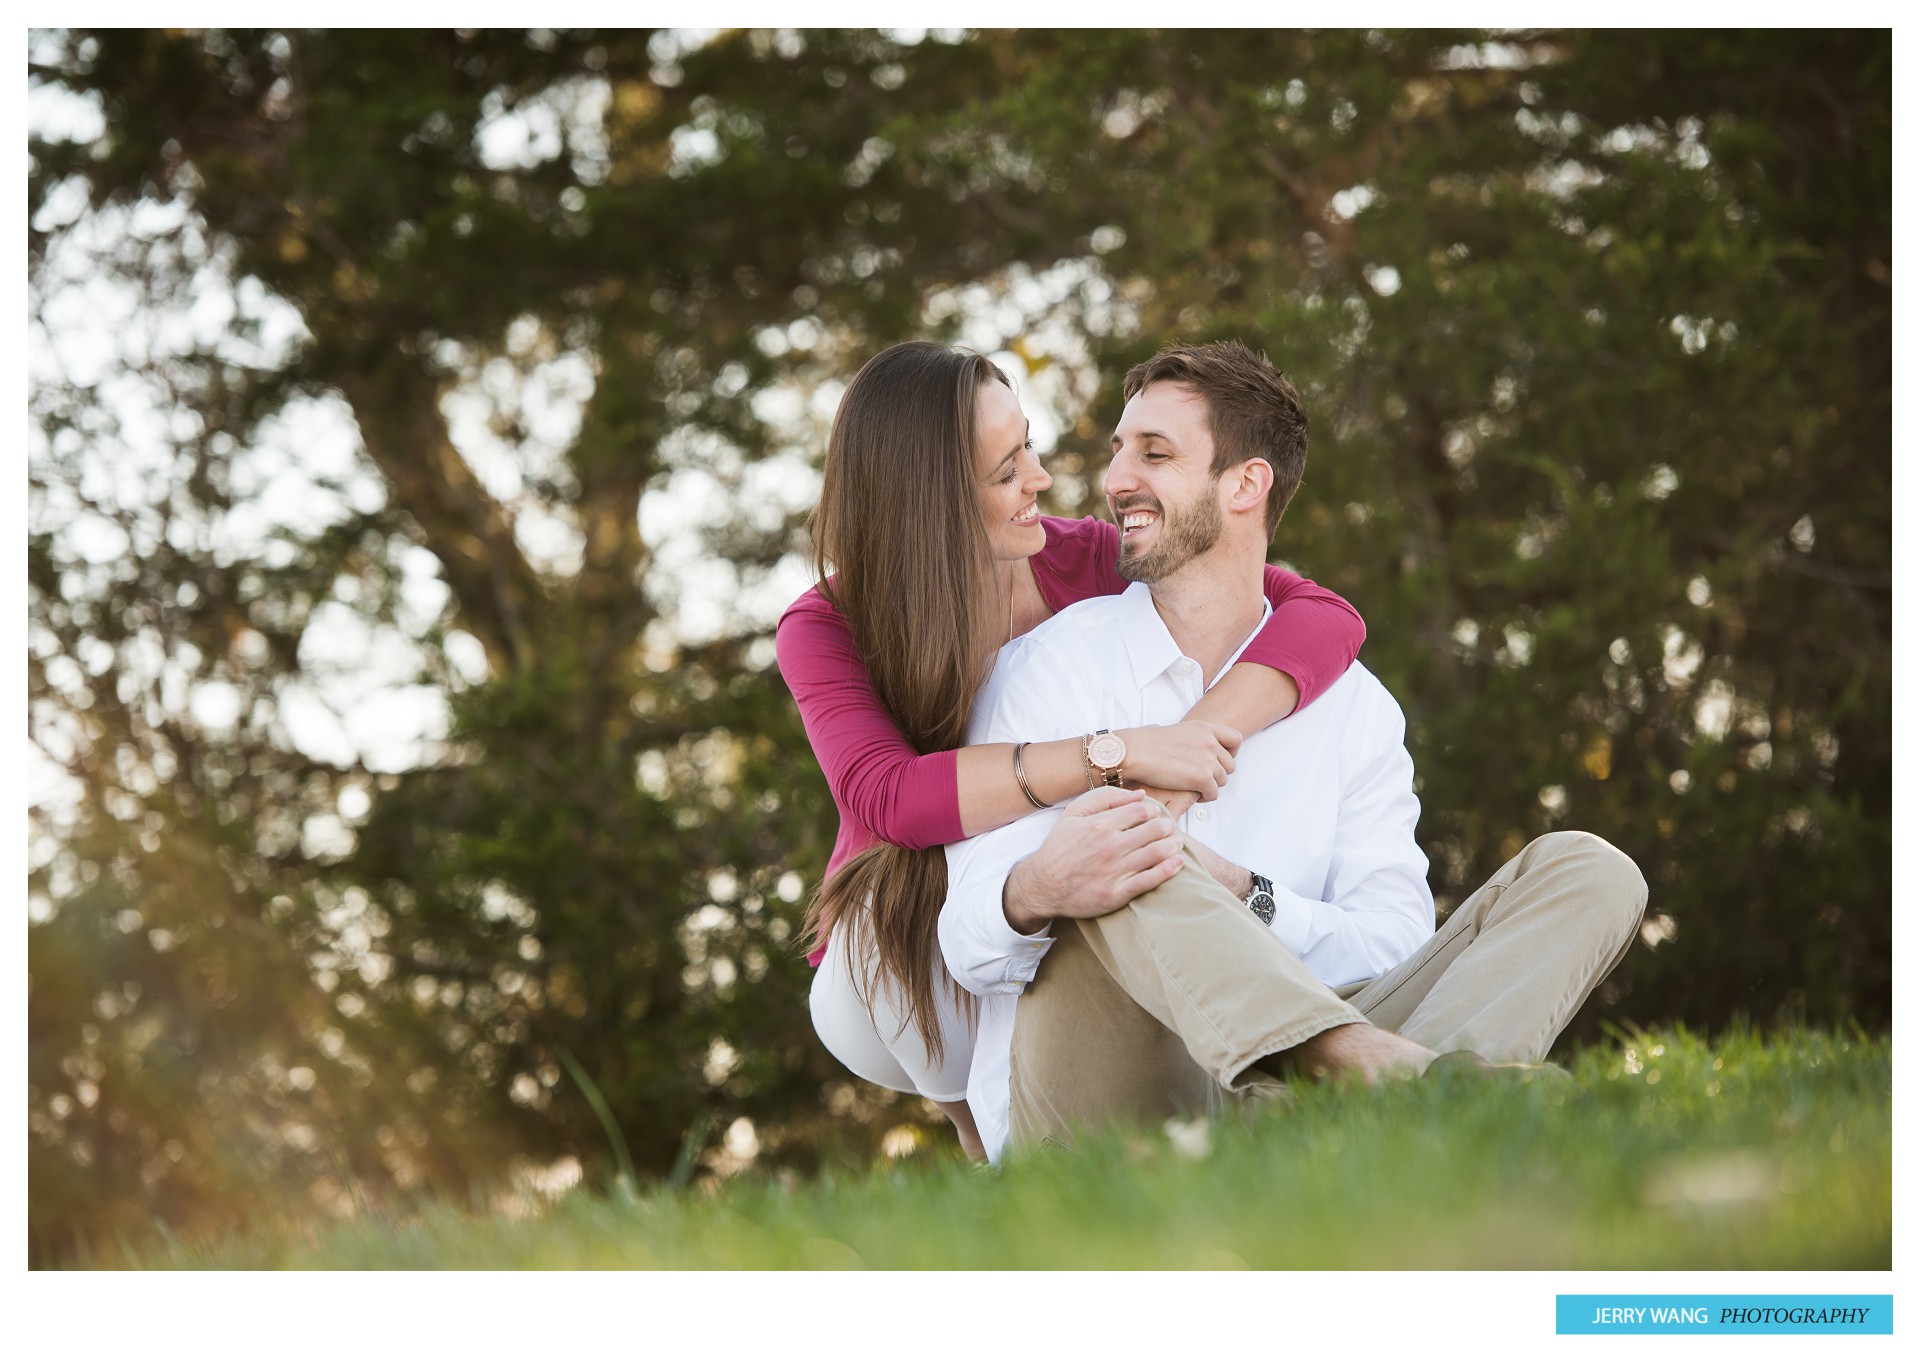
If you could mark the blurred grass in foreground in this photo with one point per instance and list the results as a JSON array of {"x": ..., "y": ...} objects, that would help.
[{"x": 1664, "y": 1152}]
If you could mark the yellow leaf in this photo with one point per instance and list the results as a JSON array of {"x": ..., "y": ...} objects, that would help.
[
  {"x": 1599, "y": 756},
  {"x": 1034, "y": 364},
  {"x": 635, "y": 100}
]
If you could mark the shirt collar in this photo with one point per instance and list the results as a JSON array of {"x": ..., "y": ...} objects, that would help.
[{"x": 1151, "y": 651}]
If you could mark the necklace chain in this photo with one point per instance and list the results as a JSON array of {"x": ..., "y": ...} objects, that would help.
[{"x": 1013, "y": 598}]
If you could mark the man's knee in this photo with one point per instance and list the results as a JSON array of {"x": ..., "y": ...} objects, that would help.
[{"x": 1607, "y": 875}]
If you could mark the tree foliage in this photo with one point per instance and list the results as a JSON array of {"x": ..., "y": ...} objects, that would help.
[{"x": 1594, "y": 330}]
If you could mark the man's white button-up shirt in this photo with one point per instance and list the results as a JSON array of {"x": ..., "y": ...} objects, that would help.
[{"x": 1322, "y": 804}]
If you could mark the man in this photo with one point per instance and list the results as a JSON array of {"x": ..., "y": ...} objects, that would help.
[{"x": 1131, "y": 968}]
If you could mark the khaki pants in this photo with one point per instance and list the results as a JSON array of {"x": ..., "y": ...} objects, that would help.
[{"x": 1165, "y": 1005}]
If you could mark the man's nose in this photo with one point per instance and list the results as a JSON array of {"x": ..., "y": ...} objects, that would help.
[{"x": 1119, "y": 476}]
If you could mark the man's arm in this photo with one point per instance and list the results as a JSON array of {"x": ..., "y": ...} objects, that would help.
[
  {"x": 1226, "y": 872},
  {"x": 1376, "y": 908},
  {"x": 1086, "y": 858},
  {"x": 1005, "y": 888},
  {"x": 983, "y": 952},
  {"x": 1107, "y": 847}
]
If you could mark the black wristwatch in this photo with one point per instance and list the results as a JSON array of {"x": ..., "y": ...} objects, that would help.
[{"x": 1260, "y": 899}]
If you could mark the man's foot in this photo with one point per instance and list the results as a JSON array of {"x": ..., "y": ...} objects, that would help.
[
  {"x": 1454, "y": 1064},
  {"x": 1372, "y": 1053},
  {"x": 1260, "y": 1092}
]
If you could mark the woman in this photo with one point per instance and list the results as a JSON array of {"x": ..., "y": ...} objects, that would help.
[{"x": 929, "y": 521}]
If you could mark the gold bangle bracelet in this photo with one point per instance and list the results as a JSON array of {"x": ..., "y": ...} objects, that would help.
[{"x": 1020, "y": 773}]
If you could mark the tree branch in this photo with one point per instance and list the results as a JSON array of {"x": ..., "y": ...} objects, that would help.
[{"x": 405, "y": 434}]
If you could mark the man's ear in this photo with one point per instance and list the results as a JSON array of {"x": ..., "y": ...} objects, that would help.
[{"x": 1249, "y": 482}]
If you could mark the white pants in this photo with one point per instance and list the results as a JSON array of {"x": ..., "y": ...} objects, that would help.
[{"x": 881, "y": 1045}]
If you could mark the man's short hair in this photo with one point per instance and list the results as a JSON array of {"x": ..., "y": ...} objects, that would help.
[{"x": 1252, "y": 410}]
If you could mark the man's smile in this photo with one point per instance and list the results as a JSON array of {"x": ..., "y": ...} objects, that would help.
[{"x": 1136, "y": 518}]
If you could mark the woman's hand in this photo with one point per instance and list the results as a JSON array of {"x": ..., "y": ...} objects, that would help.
[{"x": 1188, "y": 757}]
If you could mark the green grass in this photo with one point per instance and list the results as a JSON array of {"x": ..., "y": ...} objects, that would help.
[{"x": 1664, "y": 1152}]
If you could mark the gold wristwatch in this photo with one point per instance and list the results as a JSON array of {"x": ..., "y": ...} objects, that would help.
[{"x": 1104, "y": 752}]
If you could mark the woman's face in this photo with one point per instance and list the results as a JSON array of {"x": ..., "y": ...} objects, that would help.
[{"x": 1010, "y": 476}]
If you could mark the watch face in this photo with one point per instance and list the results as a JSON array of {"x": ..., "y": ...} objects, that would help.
[
  {"x": 1106, "y": 751},
  {"x": 1261, "y": 903}
]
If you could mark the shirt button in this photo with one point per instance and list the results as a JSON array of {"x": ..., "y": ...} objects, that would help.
[{"x": 1200, "y": 813}]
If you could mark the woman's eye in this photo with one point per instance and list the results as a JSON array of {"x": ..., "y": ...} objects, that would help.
[{"x": 1013, "y": 468}]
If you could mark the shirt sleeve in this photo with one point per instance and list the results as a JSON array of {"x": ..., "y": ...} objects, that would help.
[
  {"x": 985, "y": 954},
  {"x": 1377, "y": 909},
  {"x": 903, "y": 797},
  {"x": 1313, "y": 635},
  {"x": 1024, "y": 700}
]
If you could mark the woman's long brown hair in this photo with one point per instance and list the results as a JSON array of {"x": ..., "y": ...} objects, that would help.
[{"x": 899, "y": 524}]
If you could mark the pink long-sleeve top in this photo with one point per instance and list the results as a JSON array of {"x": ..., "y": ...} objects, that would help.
[{"x": 886, "y": 790}]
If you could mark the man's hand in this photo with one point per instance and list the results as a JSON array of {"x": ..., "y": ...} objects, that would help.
[
  {"x": 1177, "y": 802},
  {"x": 1109, "y": 846}
]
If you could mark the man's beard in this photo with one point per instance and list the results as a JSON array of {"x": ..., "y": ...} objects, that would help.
[{"x": 1183, "y": 537}]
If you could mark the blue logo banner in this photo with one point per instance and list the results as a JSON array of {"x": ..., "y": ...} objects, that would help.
[{"x": 1718, "y": 1315}]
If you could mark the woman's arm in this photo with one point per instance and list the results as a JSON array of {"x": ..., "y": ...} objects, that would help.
[
  {"x": 877, "y": 777},
  {"x": 916, "y": 800},
  {"x": 1312, "y": 636},
  {"x": 1196, "y": 755},
  {"x": 1308, "y": 642}
]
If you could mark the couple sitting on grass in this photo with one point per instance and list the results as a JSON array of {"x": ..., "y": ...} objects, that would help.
[{"x": 1043, "y": 923}]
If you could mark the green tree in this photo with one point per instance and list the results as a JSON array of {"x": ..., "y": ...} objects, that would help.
[
  {"x": 596, "y": 864},
  {"x": 1595, "y": 330}
]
